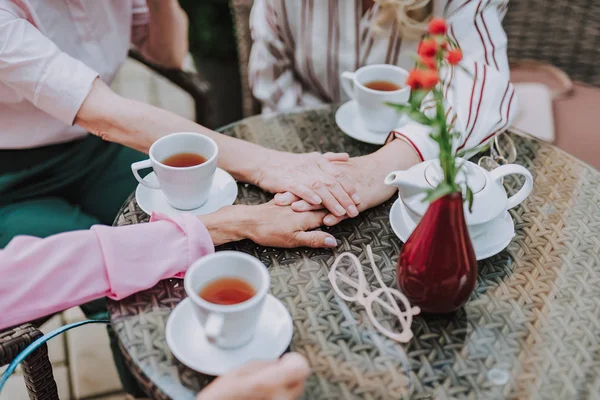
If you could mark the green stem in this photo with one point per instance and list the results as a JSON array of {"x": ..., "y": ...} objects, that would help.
[{"x": 446, "y": 159}]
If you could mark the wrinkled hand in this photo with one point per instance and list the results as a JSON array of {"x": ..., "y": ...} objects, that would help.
[
  {"x": 268, "y": 225},
  {"x": 281, "y": 379},
  {"x": 313, "y": 177},
  {"x": 367, "y": 173}
]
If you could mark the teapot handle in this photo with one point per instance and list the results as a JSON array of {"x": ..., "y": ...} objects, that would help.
[{"x": 509, "y": 169}]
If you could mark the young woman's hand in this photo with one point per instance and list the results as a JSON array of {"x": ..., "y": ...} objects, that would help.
[
  {"x": 268, "y": 225},
  {"x": 281, "y": 379},
  {"x": 313, "y": 177}
]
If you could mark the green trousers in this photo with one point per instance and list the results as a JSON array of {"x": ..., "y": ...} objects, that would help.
[{"x": 67, "y": 187}]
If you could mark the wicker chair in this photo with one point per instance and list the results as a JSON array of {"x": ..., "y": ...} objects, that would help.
[
  {"x": 240, "y": 10},
  {"x": 37, "y": 369},
  {"x": 565, "y": 33}
]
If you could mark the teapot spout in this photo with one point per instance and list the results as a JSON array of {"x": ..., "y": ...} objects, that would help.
[{"x": 407, "y": 182}]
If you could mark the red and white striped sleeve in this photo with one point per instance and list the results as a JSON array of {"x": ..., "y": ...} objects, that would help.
[
  {"x": 479, "y": 104},
  {"x": 271, "y": 65}
]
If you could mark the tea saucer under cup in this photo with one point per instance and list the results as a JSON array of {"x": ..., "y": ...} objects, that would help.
[
  {"x": 223, "y": 192},
  {"x": 348, "y": 120},
  {"x": 487, "y": 240},
  {"x": 186, "y": 339}
]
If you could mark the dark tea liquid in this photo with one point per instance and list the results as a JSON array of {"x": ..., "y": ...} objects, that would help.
[
  {"x": 227, "y": 291},
  {"x": 383, "y": 86},
  {"x": 181, "y": 160}
]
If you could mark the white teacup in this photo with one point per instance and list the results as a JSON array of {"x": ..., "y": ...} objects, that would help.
[
  {"x": 375, "y": 114},
  {"x": 185, "y": 188},
  {"x": 228, "y": 326}
]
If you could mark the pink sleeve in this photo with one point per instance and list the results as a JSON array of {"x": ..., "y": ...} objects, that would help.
[
  {"x": 42, "y": 276},
  {"x": 480, "y": 104},
  {"x": 33, "y": 66}
]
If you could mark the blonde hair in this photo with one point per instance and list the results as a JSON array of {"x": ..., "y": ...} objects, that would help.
[{"x": 412, "y": 16}]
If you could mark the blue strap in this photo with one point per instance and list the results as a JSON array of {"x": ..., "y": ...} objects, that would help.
[{"x": 39, "y": 342}]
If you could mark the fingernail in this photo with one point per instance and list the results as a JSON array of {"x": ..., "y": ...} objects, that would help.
[
  {"x": 301, "y": 206},
  {"x": 356, "y": 198},
  {"x": 340, "y": 210},
  {"x": 282, "y": 196},
  {"x": 329, "y": 220},
  {"x": 330, "y": 242},
  {"x": 316, "y": 200},
  {"x": 353, "y": 211}
]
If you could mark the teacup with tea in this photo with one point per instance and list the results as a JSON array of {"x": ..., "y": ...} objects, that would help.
[
  {"x": 228, "y": 291},
  {"x": 185, "y": 165},
  {"x": 373, "y": 86}
]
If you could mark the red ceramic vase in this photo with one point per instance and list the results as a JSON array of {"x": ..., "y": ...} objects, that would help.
[{"x": 437, "y": 269}]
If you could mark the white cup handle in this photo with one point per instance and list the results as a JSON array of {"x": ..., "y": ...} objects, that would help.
[
  {"x": 135, "y": 167},
  {"x": 509, "y": 169},
  {"x": 347, "y": 79},
  {"x": 213, "y": 327}
]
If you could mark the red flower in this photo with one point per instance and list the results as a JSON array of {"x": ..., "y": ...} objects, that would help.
[
  {"x": 414, "y": 79},
  {"x": 429, "y": 79},
  {"x": 422, "y": 79},
  {"x": 454, "y": 56},
  {"x": 429, "y": 62},
  {"x": 437, "y": 26},
  {"x": 428, "y": 48}
]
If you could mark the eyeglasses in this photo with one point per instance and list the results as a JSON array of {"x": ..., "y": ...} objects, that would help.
[
  {"x": 366, "y": 298},
  {"x": 502, "y": 151}
]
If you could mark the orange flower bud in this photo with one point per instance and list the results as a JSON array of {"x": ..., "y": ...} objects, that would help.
[
  {"x": 429, "y": 79},
  {"x": 454, "y": 56},
  {"x": 428, "y": 62},
  {"x": 414, "y": 79},
  {"x": 428, "y": 48},
  {"x": 437, "y": 26}
]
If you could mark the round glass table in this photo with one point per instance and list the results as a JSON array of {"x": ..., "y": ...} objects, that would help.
[{"x": 530, "y": 330}]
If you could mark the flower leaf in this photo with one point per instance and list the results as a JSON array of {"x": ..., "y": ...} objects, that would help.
[
  {"x": 401, "y": 108},
  {"x": 453, "y": 42},
  {"x": 439, "y": 191},
  {"x": 466, "y": 71},
  {"x": 419, "y": 117},
  {"x": 416, "y": 98},
  {"x": 470, "y": 199}
]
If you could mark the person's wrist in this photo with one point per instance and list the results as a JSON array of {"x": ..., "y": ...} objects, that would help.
[
  {"x": 259, "y": 168},
  {"x": 399, "y": 154},
  {"x": 227, "y": 224}
]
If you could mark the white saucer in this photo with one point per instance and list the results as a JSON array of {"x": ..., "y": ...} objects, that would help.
[
  {"x": 223, "y": 192},
  {"x": 487, "y": 244},
  {"x": 187, "y": 342},
  {"x": 349, "y": 122}
]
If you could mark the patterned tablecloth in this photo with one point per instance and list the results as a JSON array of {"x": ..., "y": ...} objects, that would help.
[{"x": 531, "y": 329}]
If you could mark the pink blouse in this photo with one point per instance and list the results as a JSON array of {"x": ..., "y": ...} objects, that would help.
[
  {"x": 50, "y": 53},
  {"x": 41, "y": 276}
]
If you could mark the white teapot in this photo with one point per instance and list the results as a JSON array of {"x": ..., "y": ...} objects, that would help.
[{"x": 489, "y": 195}]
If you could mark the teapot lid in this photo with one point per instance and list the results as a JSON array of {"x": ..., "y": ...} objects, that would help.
[
  {"x": 490, "y": 196},
  {"x": 469, "y": 173}
]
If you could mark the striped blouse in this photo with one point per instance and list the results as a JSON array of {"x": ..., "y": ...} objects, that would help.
[{"x": 302, "y": 46}]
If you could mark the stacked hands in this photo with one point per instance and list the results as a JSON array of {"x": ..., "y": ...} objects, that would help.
[{"x": 311, "y": 190}]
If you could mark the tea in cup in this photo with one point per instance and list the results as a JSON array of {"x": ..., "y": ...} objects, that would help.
[
  {"x": 228, "y": 290},
  {"x": 373, "y": 86},
  {"x": 185, "y": 164}
]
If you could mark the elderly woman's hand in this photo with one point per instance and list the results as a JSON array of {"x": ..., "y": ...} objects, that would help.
[
  {"x": 281, "y": 379},
  {"x": 313, "y": 177}
]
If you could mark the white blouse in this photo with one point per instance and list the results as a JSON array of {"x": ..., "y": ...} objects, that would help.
[{"x": 302, "y": 46}]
